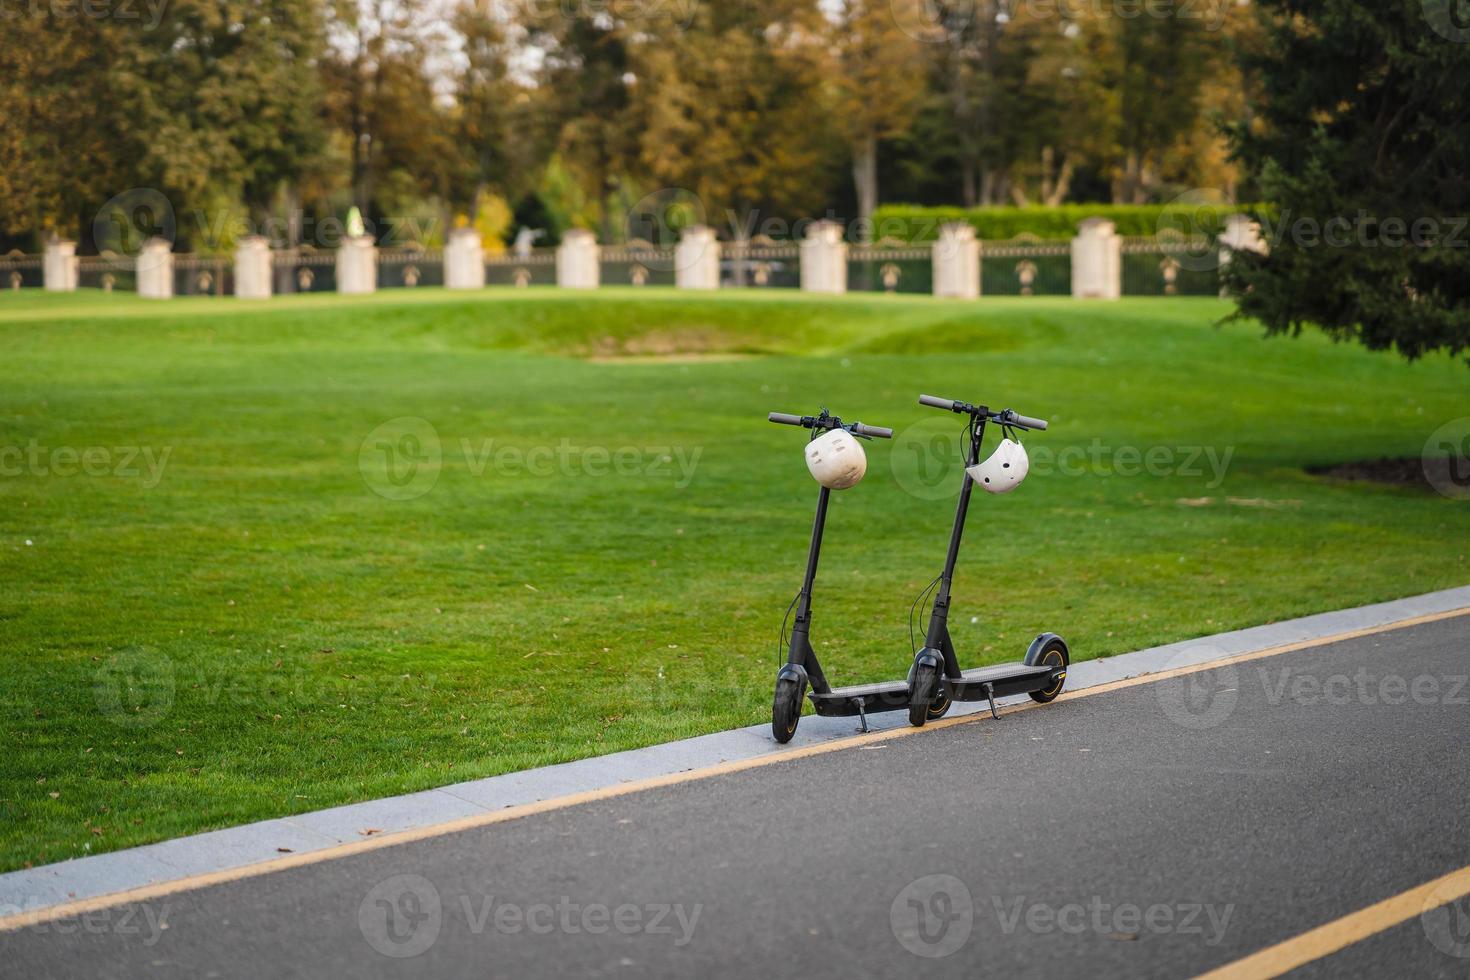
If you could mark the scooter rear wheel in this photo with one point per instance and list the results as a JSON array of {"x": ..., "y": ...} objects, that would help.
[
  {"x": 922, "y": 692},
  {"x": 785, "y": 710},
  {"x": 1053, "y": 653}
]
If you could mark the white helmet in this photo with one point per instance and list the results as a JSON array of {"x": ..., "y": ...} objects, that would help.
[
  {"x": 836, "y": 459},
  {"x": 1004, "y": 470}
]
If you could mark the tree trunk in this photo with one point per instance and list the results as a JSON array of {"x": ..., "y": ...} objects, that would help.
[
  {"x": 1062, "y": 186},
  {"x": 967, "y": 177},
  {"x": 865, "y": 177}
]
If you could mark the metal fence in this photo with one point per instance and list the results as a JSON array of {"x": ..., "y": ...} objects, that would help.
[
  {"x": 21, "y": 271},
  {"x": 534, "y": 268},
  {"x": 1025, "y": 266}
]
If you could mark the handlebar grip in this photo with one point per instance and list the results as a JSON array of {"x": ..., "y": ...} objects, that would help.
[
  {"x": 875, "y": 431},
  {"x": 933, "y": 401},
  {"x": 1027, "y": 422},
  {"x": 782, "y": 418}
]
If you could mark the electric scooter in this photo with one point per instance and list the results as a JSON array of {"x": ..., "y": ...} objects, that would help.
[
  {"x": 802, "y": 669},
  {"x": 935, "y": 680}
]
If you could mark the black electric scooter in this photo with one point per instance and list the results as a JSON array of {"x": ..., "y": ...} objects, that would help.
[
  {"x": 935, "y": 680},
  {"x": 802, "y": 667}
]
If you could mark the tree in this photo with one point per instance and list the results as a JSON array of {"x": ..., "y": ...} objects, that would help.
[
  {"x": 877, "y": 67},
  {"x": 587, "y": 69},
  {"x": 733, "y": 112},
  {"x": 1362, "y": 143},
  {"x": 379, "y": 93}
]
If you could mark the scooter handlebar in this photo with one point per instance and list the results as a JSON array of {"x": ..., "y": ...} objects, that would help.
[
  {"x": 782, "y": 418},
  {"x": 933, "y": 401},
  {"x": 1024, "y": 421},
  {"x": 875, "y": 431}
]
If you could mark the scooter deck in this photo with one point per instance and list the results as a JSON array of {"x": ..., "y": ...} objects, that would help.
[
  {"x": 975, "y": 684},
  {"x": 1003, "y": 680},
  {"x": 843, "y": 702}
]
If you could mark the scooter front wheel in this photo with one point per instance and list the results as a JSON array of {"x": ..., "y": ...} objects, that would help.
[
  {"x": 922, "y": 692},
  {"x": 785, "y": 710}
]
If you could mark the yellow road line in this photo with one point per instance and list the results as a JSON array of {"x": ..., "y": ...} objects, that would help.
[
  {"x": 145, "y": 893},
  {"x": 1341, "y": 933}
]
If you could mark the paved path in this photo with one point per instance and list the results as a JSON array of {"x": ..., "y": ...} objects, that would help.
[{"x": 1159, "y": 829}]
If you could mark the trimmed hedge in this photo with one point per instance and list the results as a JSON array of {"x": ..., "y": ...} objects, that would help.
[{"x": 918, "y": 224}]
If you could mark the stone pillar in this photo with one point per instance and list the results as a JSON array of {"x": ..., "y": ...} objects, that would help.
[
  {"x": 824, "y": 259},
  {"x": 956, "y": 261},
  {"x": 253, "y": 268},
  {"x": 578, "y": 260},
  {"x": 464, "y": 260},
  {"x": 357, "y": 265},
  {"x": 155, "y": 268},
  {"x": 1240, "y": 234},
  {"x": 59, "y": 267},
  {"x": 1097, "y": 261},
  {"x": 697, "y": 259}
]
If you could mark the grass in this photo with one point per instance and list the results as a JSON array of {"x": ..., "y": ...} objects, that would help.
[{"x": 250, "y": 629}]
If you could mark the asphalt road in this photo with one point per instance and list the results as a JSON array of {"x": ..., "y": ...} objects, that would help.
[{"x": 1158, "y": 830}]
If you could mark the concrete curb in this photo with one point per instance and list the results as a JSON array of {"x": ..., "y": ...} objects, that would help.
[{"x": 91, "y": 877}]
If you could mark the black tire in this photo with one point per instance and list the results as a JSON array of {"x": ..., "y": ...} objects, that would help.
[
  {"x": 922, "y": 692},
  {"x": 785, "y": 710},
  {"x": 1054, "y": 651}
]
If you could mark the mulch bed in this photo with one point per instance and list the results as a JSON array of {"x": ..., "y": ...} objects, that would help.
[{"x": 1409, "y": 472}]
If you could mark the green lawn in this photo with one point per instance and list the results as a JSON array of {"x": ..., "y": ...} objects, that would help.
[{"x": 219, "y": 605}]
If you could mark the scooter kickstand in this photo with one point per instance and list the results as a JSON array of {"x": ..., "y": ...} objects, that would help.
[
  {"x": 862, "y": 715},
  {"x": 990, "y": 696}
]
